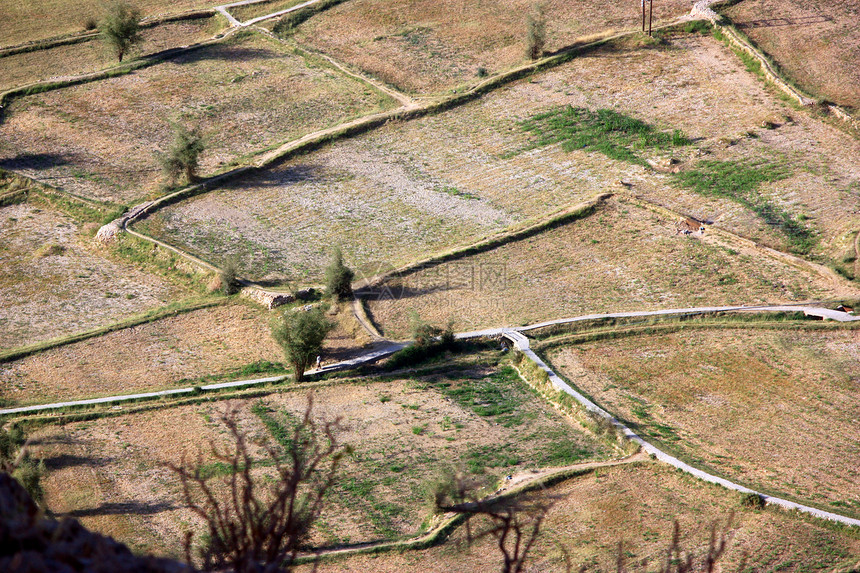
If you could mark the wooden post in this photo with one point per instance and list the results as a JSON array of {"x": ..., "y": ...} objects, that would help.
[
  {"x": 643, "y": 15},
  {"x": 650, "y": 14}
]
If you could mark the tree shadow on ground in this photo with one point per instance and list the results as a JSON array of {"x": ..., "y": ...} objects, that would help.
[
  {"x": 788, "y": 21},
  {"x": 35, "y": 161},
  {"x": 280, "y": 177},
  {"x": 227, "y": 53},
  {"x": 121, "y": 508},
  {"x": 67, "y": 461}
]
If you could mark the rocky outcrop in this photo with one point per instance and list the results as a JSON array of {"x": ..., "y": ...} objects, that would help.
[{"x": 31, "y": 543}]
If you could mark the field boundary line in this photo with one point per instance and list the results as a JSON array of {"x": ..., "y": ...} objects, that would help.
[
  {"x": 382, "y": 351},
  {"x": 793, "y": 260},
  {"x": 144, "y": 318},
  {"x": 531, "y": 228},
  {"x": 450, "y": 522},
  {"x": 85, "y": 36},
  {"x": 521, "y": 343},
  {"x": 748, "y": 46}
]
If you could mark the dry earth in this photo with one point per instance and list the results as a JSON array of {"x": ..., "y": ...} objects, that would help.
[
  {"x": 151, "y": 356},
  {"x": 817, "y": 42},
  {"x": 99, "y": 139},
  {"x": 110, "y": 472},
  {"x": 70, "y": 60},
  {"x": 54, "y": 282},
  {"x": 249, "y": 11},
  {"x": 409, "y": 189},
  {"x": 637, "y": 504},
  {"x": 38, "y": 19},
  {"x": 771, "y": 409},
  {"x": 424, "y": 47},
  {"x": 603, "y": 263}
]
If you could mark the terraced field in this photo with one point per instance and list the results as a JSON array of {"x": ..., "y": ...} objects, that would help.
[
  {"x": 432, "y": 47},
  {"x": 602, "y": 263},
  {"x": 246, "y": 94},
  {"x": 402, "y": 430},
  {"x": 56, "y": 282},
  {"x": 769, "y": 408}
]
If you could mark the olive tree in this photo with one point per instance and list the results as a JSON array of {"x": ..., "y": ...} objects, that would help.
[
  {"x": 301, "y": 336},
  {"x": 120, "y": 28},
  {"x": 183, "y": 155}
]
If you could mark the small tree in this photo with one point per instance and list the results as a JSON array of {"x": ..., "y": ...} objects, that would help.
[
  {"x": 338, "y": 277},
  {"x": 301, "y": 335},
  {"x": 255, "y": 524},
  {"x": 183, "y": 154},
  {"x": 120, "y": 28},
  {"x": 536, "y": 30},
  {"x": 227, "y": 276}
]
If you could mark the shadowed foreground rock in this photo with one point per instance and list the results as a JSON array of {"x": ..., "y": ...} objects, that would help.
[{"x": 32, "y": 543}]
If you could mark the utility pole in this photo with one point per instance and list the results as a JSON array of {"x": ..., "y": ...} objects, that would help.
[{"x": 650, "y": 14}]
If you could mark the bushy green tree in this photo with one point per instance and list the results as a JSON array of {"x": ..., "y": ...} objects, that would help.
[
  {"x": 120, "y": 28},
  {"x": 301, "y": 335},
  {"x": 338, "y": 277},
  {"x": 183, "y": 154}
]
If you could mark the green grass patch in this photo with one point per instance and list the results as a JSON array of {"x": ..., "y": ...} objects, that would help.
[
  {"x": 740, "y": 181},
  {"x": 489, "y": 397},
  {"x": 607, "y": 131}
]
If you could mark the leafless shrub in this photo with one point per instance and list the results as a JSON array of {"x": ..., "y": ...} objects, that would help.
[
  {"x": 257, "y": 525},
  {"x": 513, "y": 521}
]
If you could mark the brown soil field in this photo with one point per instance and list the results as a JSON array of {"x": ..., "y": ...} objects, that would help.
[
  {"x": 621, "y": 258},
  {"x": 249, "y": 11},
  {"x": 55, "y": 282},
  {"x": 64, "y": 61},
  {"x": 403, "y": 432},
  {"x": 426, "y": 47},
  {"x": 245, "y": 94},
  {"x": 151, "y": 356},
  {"x": 816, "y": 42},
  {"x": 637, "y": 504},
  {"x": 39, "y": 19},
  {"x": 412, "y": 188},
  {"x": 775, "y": 410}
]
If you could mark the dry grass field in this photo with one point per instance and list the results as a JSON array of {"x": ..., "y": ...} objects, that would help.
[
  {"x": 410, "y": 189},
  {"x": 245, "y": 94},
  {"x": 39, "y": 19},
  {"x": 55, "y": 282},
  {"x": 816, "y": 42},
  {"x": 776, "y": 410},
  {"x": 69, "y": 60},
  {"x": 636, "y": 505},
  {"x": 607, "y": 262},
  {"x": 151, "y": 356},
  {"x": 403, "y": 432},
  {"x": 426, "y": 47}
]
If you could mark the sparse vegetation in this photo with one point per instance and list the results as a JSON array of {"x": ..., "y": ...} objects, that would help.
[{"x": 740, "y": 182}]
